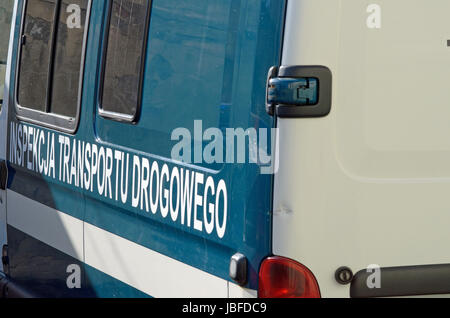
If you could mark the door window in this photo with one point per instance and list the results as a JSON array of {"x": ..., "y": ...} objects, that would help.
[
  {"x": 51, "y": 57},
  {"x": 124, "y": 59}
]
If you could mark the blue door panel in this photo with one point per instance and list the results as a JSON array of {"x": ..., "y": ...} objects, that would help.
[
  {"x": 206, "y": 60},
  {"x": 33, "y": 264}
]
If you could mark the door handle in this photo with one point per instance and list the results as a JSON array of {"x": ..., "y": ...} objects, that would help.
[
  {"x": 403, "y": 281},
  {"x": 3, "y": 174}
]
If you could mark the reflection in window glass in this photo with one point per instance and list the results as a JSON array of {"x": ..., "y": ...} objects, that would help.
[
  {"x": 124, "y": 56},
  {"x": 5, "y": 24},
  {"x": 67, "y": 61},
  {"x": 2, "y": 83},
  {"x": 35, "y": 56}
]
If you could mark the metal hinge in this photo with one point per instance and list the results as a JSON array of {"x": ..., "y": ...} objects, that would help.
[
  {"x": 293, "y": 91},
  {"x": 298, "y": 91}
]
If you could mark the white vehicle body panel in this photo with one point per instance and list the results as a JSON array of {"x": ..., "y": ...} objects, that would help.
[{"x": 369, "y": 183}]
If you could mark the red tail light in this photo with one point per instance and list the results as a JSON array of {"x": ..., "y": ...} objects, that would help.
[{"x": 280, "y": 277}]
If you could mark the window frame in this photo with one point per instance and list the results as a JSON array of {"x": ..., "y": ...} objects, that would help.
[
  {"x": 5, "y": 61},
  {"x": 46, "y": 119},
  {"x": 110, "y": 115}
]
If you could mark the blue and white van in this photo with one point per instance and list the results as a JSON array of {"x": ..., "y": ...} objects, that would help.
[{"x": 225, "y": 148}]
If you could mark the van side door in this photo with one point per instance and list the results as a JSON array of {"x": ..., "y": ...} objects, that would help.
[
  {"x": 179, "y": 74},
  {"x": 6, "y": 10},
  {"x": 45, "y": 207}
]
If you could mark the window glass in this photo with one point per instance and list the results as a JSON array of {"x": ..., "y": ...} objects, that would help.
[
  {"x": 35, "y": 56},
  {"x": 5, "y": 24},
  {"x": 51, "y": 56},
  {"x": 124, "y": 56},
  {"x": 2, "y": 83},
  {"x": 67, "y": 61}
]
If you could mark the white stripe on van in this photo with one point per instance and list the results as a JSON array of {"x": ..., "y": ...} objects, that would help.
[
  {"x": 140, "y": 267},
  {"x": 59, "y": 230},
  {"x": 147, "y": 270}
]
